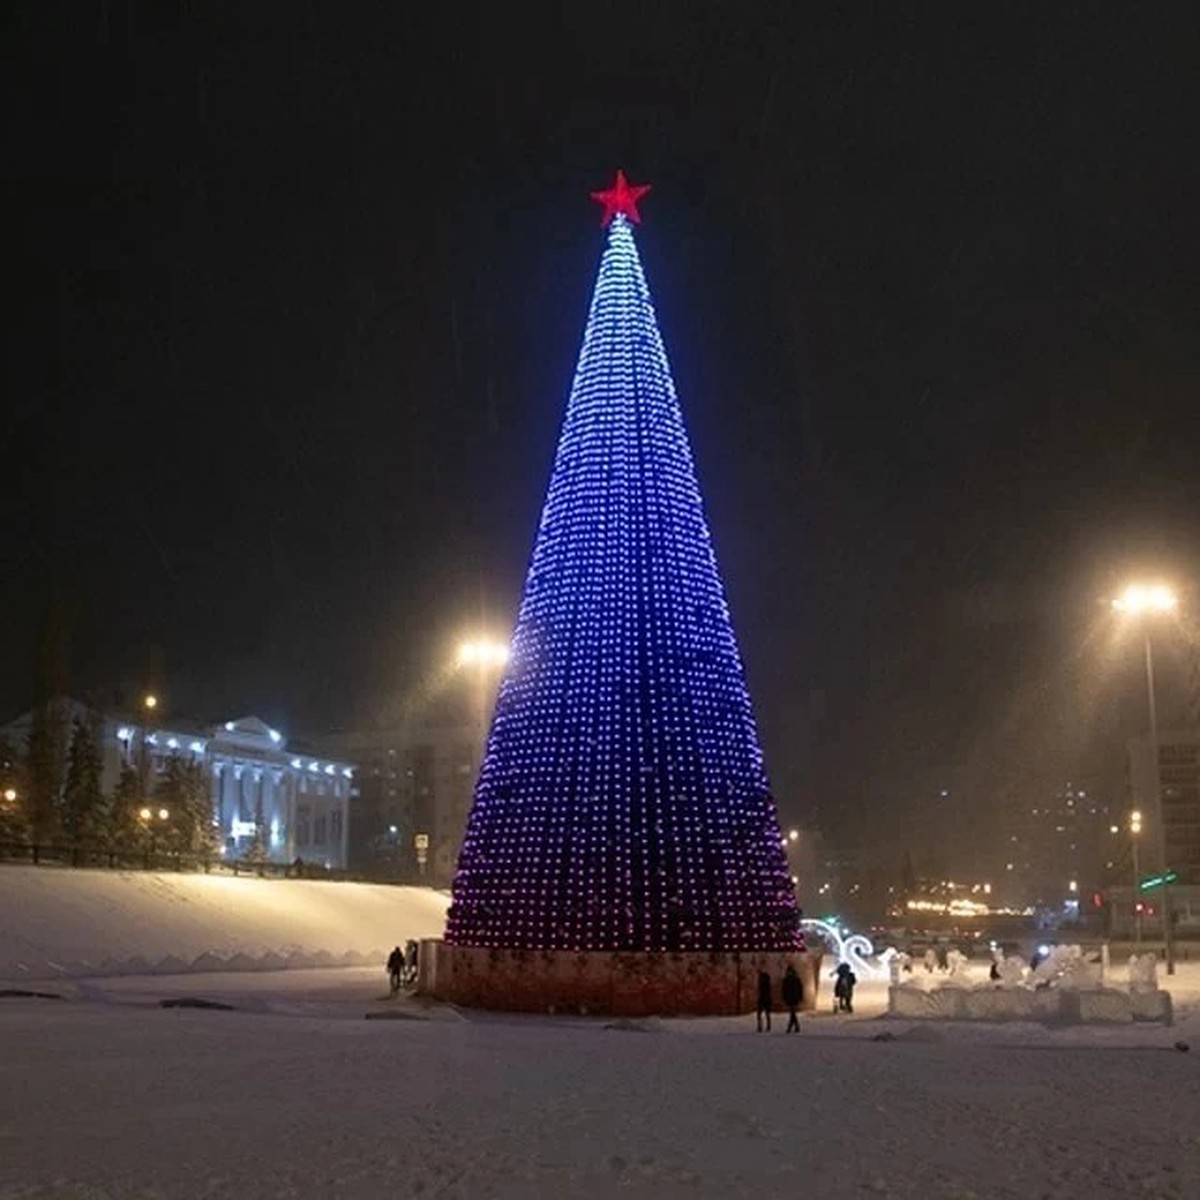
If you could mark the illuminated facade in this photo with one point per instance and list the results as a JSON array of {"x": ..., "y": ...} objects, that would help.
[
  {"x": 622, "y": 802},
  {"x": 300, "y": 801}
]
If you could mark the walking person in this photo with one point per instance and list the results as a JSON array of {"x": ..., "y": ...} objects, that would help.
[
  {"x": 792, "y": 991},
  {"x": 844, "y": 988},
  {"x": 763, "y": 1009},
  {"x": 395, "y": 965},
  {"x": 411, "y": 961}
]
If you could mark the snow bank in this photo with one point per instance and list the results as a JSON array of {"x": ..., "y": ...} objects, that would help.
[
  {"x": 81, "y": 923},
  {"x": 1055, "y": 1005}
]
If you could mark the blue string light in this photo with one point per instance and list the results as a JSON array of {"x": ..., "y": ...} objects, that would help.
[{"x": 622, "y": 803}]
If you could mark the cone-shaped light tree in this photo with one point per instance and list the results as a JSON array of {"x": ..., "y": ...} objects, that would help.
[{"x": 623, "y": 803}]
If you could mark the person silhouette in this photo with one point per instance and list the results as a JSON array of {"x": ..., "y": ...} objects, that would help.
[
  {"x": 395, "y": 967},
  {"x": 762, "y": 1011},
  {"x": 792, "y": 991}
]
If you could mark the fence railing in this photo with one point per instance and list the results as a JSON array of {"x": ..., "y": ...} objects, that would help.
[{"x": 159, "y": 858}]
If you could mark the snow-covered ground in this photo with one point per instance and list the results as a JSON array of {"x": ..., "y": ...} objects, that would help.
[
  {"x": 105, "y": 1093},
  {"x": 290, "y": 1092},
  {"x": 76, "y": 923}
]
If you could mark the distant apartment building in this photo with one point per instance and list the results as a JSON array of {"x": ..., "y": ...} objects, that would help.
[
  {"x": 1137, "y": 897},
  {"x": 416, "y": 784},
  {"x": 300, "y": 801},
  {"x": 1057, "y": 853},
  {"x": 1179, "y": 776}
]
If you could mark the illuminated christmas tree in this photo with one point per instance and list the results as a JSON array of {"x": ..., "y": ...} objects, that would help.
[{"x": 623, "y": 803}]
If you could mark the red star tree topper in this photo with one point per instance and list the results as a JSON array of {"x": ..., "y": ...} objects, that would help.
[{"x": 621, "y": 198}]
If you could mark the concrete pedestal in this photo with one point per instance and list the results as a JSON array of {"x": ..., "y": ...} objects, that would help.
[{"x": 692, "y": 983}]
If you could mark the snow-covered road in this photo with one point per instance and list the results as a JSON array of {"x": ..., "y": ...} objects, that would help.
[{"x": 105, "y": 1094}]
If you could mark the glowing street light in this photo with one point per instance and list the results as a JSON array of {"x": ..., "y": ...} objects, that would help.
[
  {"x": 150, "y": 702},
  {"x": 1135, "y": 829},
  {"x": 1149, "y": 600},
  {"x": 10, "y": 794},
  {"x": 793, "y": 835},
  {"x": 482, "y": 652},
  {"x": 1139, "y": 598}
]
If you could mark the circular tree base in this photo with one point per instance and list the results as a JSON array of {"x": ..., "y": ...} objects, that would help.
[{"x": 641, "y": 984}]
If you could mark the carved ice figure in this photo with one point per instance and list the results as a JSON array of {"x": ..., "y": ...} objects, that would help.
[
  {"x": 1143, "y": 973},
  {"x": 956, "y": 962},
  {"x": 1012, "y": 972},
  {"x": 931, "y": 960},
  {"x": 1074, "y": 970}
]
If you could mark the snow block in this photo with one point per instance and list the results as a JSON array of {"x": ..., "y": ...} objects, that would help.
[
  {"x": 240, "y": 962},
  {"x": 1152, "y": 1006},
  {"x": 604, "y": 983},
  {"x": 1099, "y": 1007},
  {"x": 1066, "y": 1006},
  {"x": 998, "y": 1004},
  {"x": 170, "y": 966}
]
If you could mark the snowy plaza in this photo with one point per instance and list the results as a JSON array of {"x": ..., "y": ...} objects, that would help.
[
  {"x": 294, "y": 1093},
  {"x": 291, "y": 1091}
]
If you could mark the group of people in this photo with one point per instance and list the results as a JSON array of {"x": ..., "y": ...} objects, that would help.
[
  {"x": 791, "y": 992},
  {"x": 402, "y": 966}
]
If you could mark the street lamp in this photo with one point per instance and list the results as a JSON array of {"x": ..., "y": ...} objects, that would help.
[
  {"x": 1141, "y": 601},
  {"x": 484, "y": 655},
  {"x": 1135, "y": 830},
  {"x": 150, "y": 702},
  {"x": 482, "y": 652},
  {"x": 147, "y": 816},
  {"x": 10, "y": 794}
]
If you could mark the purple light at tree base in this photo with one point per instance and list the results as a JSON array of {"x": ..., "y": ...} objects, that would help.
[{"x": 623, "y": 802}]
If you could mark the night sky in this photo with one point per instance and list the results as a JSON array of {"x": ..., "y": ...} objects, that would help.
[{"x": 296, "y": 293}]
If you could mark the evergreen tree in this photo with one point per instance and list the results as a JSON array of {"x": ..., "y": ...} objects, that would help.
[
  {"x": 255, "y": 853},
  {"x": 14, "y": 826},
  {"x": 120, "y": 828},
  {"x": 184, "y": 792},
  {"x": 204, "y": 836},
  {"x": 45, "y": 763},
  {"x": 83, "y": 802}
]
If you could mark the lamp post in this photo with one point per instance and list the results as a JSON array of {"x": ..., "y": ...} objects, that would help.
[
  {"x": 484, "y": 656},
  {"x": 149, "y": 704},
  {"x": 1135, "y": 830},
  {"x": 147, "y": 817},
  {"x": 1141, "y": 601}
]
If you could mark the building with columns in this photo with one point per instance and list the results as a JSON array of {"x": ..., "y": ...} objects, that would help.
[{"x": 301, "y": 801}]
